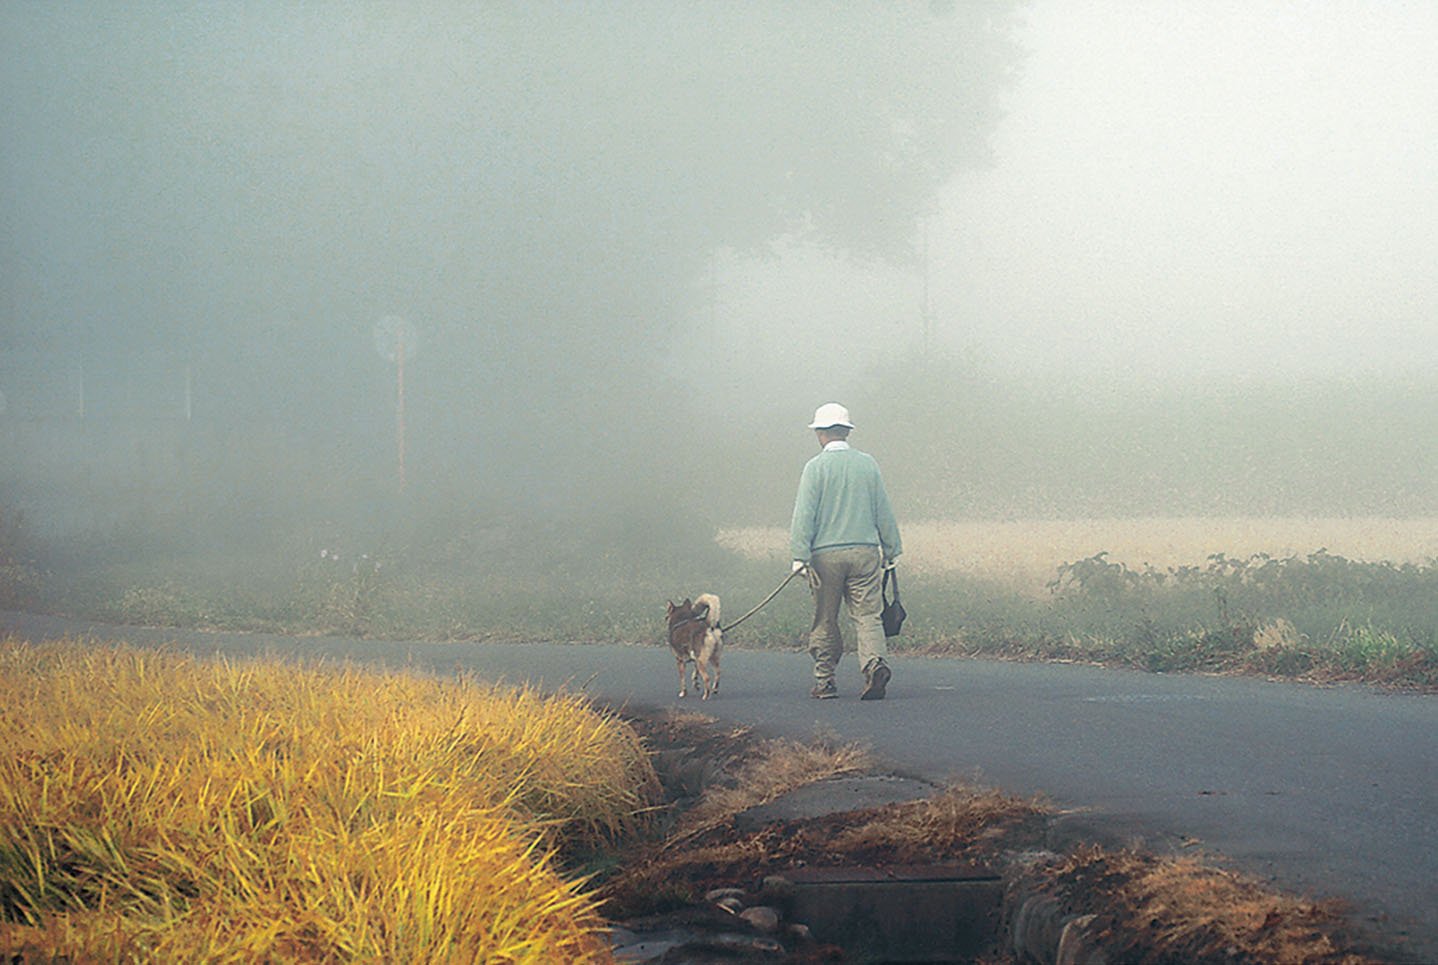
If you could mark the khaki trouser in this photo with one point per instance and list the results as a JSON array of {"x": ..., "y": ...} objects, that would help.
[{"x": 854, "y": 575}]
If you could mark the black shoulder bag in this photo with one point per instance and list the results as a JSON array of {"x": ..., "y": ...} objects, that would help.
[{"x": 893, "y": 613}]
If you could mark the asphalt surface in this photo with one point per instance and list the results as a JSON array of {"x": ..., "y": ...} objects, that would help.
[{"x": 1325, "y": 792}]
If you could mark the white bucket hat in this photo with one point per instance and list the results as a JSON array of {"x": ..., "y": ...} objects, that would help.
[{"x": 831, "y": 414}]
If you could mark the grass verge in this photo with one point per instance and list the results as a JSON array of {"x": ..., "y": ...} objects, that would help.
[{"x": 1316, "y": 617}]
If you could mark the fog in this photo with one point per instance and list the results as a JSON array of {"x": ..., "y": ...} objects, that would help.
[{"x": 1059, "y": 258}]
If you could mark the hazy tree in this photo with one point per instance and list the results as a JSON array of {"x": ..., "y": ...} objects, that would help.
[{"x": 536, "y": 186}]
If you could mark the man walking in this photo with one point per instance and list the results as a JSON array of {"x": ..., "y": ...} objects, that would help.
[{"x": 845, "y": 533}]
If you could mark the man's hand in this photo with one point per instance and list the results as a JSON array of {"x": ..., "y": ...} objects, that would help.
[{"x": 798, "y": 565}]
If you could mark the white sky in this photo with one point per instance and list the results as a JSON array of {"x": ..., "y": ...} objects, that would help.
[{"x": 1179, "y": 189}]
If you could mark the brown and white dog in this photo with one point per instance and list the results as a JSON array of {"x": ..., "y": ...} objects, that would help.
[{"x": 694, "y": 634}]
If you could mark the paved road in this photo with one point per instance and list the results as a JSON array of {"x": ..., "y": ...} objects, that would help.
[{"x": 1327, "y": 792}]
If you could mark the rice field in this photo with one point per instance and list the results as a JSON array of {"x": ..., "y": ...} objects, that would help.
[
  {"x": 160, "y": 807},
  {"x": 1025, "y": 554}
]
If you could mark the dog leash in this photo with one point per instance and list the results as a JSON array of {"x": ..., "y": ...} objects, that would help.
[{"x": 813, "y": 582}]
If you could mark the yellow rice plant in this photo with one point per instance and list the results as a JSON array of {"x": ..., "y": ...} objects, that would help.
[{"x": 155, "y": 806}]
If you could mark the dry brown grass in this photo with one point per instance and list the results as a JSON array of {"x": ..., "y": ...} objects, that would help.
[
  {"x": 960, "y": 821},
  {"x": 707, "y": 851},
  {"x": 777, "y": 767},
  {"x": 1154, "y": 909},
  {"x": 959, "y": 824},
  {"x": 1026, "y": 553}
]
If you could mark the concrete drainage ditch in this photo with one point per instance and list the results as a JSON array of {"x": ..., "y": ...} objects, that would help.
[
  {"x": 858, "y": 914},
  {"x": 907, "y": 914},
  {"x": 931, "y": 913},
  {"x": 1053, "y": 891},
  {"x": 917, "y": 913}
]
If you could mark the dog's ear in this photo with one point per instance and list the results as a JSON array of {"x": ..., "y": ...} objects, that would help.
[{"x": 671, "y": 609}]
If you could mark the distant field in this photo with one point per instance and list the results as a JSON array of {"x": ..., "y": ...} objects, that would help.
[{"x": 1026, "y": 553}]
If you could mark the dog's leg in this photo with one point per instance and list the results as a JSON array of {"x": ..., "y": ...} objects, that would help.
[
  {"x": 680, "y": 662},
  {"x": 701, "y": 679},
  {"x": 713, "y": 646}
]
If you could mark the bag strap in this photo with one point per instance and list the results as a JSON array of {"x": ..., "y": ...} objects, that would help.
[{"x": 889, "y": 574}]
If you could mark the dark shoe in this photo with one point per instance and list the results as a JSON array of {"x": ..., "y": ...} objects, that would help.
[
  {"x": 824, "y": 691},
  {"x": 877, "y": 680}
]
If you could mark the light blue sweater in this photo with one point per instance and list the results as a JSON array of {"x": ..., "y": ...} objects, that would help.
[{"x": 842, "y": 502}]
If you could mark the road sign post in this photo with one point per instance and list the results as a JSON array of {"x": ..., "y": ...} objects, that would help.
[{"x": 394, "y": 339}]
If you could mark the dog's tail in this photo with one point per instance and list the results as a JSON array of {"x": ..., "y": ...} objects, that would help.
[{"x": 711, "y": 619}]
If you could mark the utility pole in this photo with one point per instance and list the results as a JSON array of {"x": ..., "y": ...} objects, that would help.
[
  {"x": 926, "y": 318},
  {"x": 399, "y": 404},
  {"x": 396, "y": 339}
]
